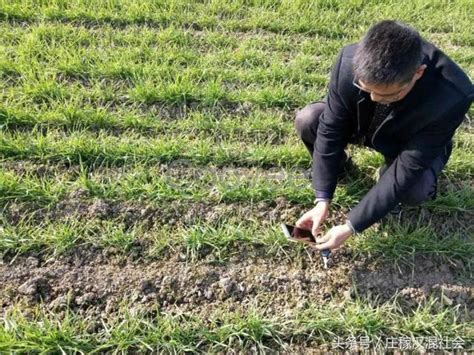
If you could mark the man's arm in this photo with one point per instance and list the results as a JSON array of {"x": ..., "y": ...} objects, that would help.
[
  {"x": 407, "y": 168},
  {"x": 332, "y": 137}
]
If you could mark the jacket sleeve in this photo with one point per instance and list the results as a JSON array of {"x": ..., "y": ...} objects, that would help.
[
  {"x": 332, "y": 136},
  {"x": 417, "y": 156}
]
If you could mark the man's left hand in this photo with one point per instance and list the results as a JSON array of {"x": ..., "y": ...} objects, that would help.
[{"x": 334, "y": 238}]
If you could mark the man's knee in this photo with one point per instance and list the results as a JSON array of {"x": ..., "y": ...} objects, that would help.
[
  {"x": 423, "y": 190},
  {"x": 308, "y": 118}
]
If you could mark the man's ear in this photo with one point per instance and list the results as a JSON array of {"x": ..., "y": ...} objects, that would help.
[{"x": 419, "y": 72}]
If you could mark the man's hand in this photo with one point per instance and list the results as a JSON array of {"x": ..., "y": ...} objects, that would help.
[
  {"x": 313, "y": 219},
  {"x": 334, "y": 238}
]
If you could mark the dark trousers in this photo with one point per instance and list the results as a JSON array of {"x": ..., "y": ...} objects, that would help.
[{"x": 306, "y": 124}]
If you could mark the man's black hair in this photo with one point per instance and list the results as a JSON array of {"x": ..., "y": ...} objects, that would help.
[{"x": 389, "y": 53}]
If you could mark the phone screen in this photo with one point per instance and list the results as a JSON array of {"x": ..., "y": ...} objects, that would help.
[{"x": 298, "y": 234}]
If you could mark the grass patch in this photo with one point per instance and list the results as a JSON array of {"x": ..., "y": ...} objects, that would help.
[
  {"x": 133, "y": 329},
  {"x": 400, "y": 243}
]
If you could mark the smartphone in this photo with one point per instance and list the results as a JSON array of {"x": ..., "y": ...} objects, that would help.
[
  {"x": 297, "y": 234},
  {"x": 302, "y": 235}
]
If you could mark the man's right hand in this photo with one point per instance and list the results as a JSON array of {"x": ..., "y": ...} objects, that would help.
[{"x": 313, "y": 219}]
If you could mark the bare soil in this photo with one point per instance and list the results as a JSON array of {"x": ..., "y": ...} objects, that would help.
[{"x": 95, "y": 282}]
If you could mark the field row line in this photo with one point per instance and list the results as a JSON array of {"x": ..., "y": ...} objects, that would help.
[
  {"x": 252, "y": 125},
  {"x": 180, "y": 91},
  {"x": 96, "y": 148},
  {"x": 208, "y": 185},
  {"x": 281, "y": 18},
  {"x": 222, "y": 237}
]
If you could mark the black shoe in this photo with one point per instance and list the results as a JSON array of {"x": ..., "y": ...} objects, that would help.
[{"x": 396, "y": 210}]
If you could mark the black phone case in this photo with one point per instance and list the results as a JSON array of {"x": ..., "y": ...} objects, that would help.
[{"x": 297, "y": 234}]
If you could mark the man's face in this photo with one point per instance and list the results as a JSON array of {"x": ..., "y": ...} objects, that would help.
[{"x": 386, "y": 94}]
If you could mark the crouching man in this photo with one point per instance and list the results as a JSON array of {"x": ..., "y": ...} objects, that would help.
[{"x": 398, "y": 94}]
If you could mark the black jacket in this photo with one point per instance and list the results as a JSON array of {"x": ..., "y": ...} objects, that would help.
[{"x": 414, "y": 133}]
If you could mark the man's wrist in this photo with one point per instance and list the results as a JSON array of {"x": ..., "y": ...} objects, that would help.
[
  {"x": 322, "y": 199},
  {"x": 351, "y": 227}
]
